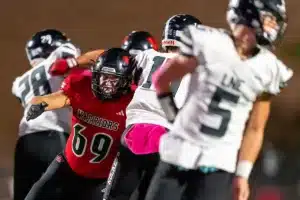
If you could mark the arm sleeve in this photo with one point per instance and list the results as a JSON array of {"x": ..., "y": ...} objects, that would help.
[
  {"x": 14, "y": 87},
  {"x": 280, "y": 75},
  {"x": 66, "y": 86}
]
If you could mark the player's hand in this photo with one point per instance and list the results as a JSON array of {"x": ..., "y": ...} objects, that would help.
[
  {"x": 36, "y": 110},
  {"x": 62, "y": 66},
  {"x": 241, "y": 189}
]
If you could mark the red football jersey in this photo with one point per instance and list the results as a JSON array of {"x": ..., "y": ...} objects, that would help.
[
  {"x": 97, "y": 127},
  {"x": 78, "y": 70}
]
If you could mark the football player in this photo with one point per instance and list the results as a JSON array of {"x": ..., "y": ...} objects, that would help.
[
  {"x": 146, "y": 121},
  {"x": 222, "y": 123},
  {"x": 52, "y": 128},
  {"x": 98, "y": 101},
  {"x": 141, "y": 40}
]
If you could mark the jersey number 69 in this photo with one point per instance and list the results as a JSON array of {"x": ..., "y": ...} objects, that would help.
[{"x": 99, "y": 146}]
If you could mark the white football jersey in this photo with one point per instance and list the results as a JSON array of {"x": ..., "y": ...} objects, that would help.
[
  {"x": 222, "y": 91},
  {"x": 144, "y": 107},
  {"x": 37, "y": 82}
]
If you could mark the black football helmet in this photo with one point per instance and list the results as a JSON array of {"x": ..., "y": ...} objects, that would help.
[
  {"x": 112, "y": 74},
  {"x": 257, "y": 14},
  {"x": 174, "y": 25},
  {"x": 43, "y": 43},
  {"x": 138, "y": 41}
]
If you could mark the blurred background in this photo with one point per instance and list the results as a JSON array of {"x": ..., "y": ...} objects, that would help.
[{"x": 93, "y": 24}]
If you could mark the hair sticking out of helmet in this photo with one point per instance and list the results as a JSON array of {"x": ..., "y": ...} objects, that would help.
[
  {"x": 138, "y": 41},
  {"x": 174, "y": 26}
]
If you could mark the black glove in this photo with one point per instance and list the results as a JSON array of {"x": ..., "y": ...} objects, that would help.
[
  {"x": 36, "y": 110},
  {"x": 168, "y": 105}
]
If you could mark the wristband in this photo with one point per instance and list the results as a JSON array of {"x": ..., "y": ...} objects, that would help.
[
  {"x": 244, "y": 168},
  {"x": 71, "y": 62}
]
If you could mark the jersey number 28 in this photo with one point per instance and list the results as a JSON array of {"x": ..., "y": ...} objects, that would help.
[
  {"x": 100, "y": 144},
  {"x": 38, "y": 81}
]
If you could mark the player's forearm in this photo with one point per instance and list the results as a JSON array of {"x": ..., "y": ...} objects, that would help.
[
  {"x": 173, "y": 70},
  {"x": 55, "y": 100},
  {"x": 250, "y": 148},
  {"x": 251, "y": 145},
  {"x": 89, "y": 58},
  {"x": 253, "y": 136}
]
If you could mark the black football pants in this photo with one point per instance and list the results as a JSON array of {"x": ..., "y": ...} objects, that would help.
[
  {"x": 59, "y": 182},
  {"x": 130, "y": 175},
  {"x": 171, "y": 183},
  {"x": 33, "y": 154}
]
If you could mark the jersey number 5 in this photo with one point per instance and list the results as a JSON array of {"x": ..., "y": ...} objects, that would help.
[
  {"x": 157, "y": 62},
  {"x": 100, "y": 144},
  {"x": 214, "y": 108}
]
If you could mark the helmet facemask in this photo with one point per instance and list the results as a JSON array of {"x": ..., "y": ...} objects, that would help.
[
  {"x": 269, "y": 25},
  {"x": 33, "y": 56},
  {"x": 108, "y": 86},
  {"x": 273, "y": 29}
]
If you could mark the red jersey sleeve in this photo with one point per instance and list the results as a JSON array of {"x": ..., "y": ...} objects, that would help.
[
  {"x": 80, "y": 71},
  {"x": 66, "y": 86},
  {"x": 74, "y": 84}
]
